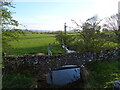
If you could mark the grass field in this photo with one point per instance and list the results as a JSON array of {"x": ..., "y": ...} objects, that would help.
[
  {"x": 38, "y": 43},
  {"x": 34, "y": 43}
]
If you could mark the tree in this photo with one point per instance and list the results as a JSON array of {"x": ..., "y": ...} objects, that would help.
[
  {"x": 67, "y": 39},
  {"x": 111, "y": 23},
  {"x": 8, "y": 24},
  {"x": 89, "y": 33}
]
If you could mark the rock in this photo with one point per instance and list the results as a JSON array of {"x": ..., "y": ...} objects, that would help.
[{"x": 40, "y": 54}]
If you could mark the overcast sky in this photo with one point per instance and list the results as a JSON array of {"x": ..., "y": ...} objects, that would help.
[{"x": 52, "y": 14}]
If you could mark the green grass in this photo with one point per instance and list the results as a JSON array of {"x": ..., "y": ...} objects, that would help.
[
  {"x": 17, "y": 81},
  {"x": 33, "y": 43},
  {"x": 102, "y": 74},
  {"x": 38, "y": 43}
]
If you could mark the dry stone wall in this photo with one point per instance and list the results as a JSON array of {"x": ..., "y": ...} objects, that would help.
[{"x": 37, "y": 63}]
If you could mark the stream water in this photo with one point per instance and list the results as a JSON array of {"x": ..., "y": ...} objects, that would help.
[{"x": 63, "y": 75}]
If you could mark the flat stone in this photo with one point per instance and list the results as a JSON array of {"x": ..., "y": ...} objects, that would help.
[{"x": 40, "y": 54}]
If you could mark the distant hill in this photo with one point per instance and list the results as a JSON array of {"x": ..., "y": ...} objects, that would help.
[{"x": 40, "y": 30}]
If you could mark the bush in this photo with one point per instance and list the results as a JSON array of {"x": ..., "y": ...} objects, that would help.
[{"x": 67, "y": 39}]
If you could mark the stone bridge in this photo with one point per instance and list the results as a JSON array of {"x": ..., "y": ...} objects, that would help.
[{"x": 36, "y": 63}]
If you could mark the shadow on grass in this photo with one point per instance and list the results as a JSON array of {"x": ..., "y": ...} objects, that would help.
[{"x": 32, "y": 50}]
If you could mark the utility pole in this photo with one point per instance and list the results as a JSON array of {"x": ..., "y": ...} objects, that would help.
[
  {"x": 65, "y": 28},
  {"x": 119, "y": 15}
]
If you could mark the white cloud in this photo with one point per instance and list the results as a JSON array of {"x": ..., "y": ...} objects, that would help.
[
  {"x": 42, "y": 22},
  {"x": 48, "y": 17},
  {"x": 102, "y": 8},
  {"x": 44, "y": 26}
]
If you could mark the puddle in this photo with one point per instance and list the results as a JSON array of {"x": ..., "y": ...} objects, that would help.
[{"x": 63, "y": 75}]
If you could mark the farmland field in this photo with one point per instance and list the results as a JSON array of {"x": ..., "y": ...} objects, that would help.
[
  {"x": 38, "y": 43},
  {"x": 34, "y": 43}
]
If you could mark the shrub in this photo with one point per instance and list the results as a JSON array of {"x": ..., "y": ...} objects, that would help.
[{"x": 67, "y": 39}]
